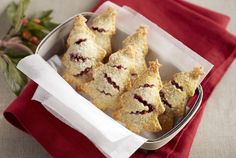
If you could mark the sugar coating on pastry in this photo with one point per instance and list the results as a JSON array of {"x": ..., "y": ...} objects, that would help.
[
  {"x": 111, "y": 80},
  {"x": 174, "y": 97},
  {"x": 176, "y": 92},
  {"x": 79, "y": 31},
  {"x": 82, "y": 55},
  {"x": 139, "y": 41},
  {"x": 189, "y": 80},
  {"x": 75, "y": 81},
  {"x": 141, "y": 105},
  {"x": 167, "y": 119},
  {"x": 104, "y": 27}
]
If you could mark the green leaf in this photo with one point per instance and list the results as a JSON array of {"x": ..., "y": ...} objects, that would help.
[
  {"x": 30, "y": 45},
  {"x": 15, "y": 60},
  {"x": 14, "y": 53},
  {"x": 43, "y": 14},
  {"x": 3, "y": 64},
  {"x": 48, "y": 18},
  {"x": 33, "y": 26},
  {"x": 20, "y": 14},
  {"x": 15, "y": 79},
  {"x": 11, "y": 12},
  {"x": 38, "y": 33},
  {"x": 49, "y": 25}
]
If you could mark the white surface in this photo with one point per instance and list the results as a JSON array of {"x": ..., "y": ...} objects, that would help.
[{"x": 216, "y": 134}]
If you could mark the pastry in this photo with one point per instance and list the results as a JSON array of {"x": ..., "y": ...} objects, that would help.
[
  {"x": 145, "y": 105},
  {"x": 139, "y": 41},
  {"x": 80, "y": 31},
  {"x": 176, "y": 93},
  {"x": 111, "y": 79},
  {"x": 82, "y": 55},
  {"x": 141, "y": 105},
  {"x": 104, "y": 27},
  {"x": 167, "y": 119}
]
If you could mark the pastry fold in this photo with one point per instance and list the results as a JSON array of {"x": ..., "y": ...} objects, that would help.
[
  {"x": 139, "y": 41},
  {"x": 104, "y": 27},
  {"x": 141, "y": 105},
  {"x": 111, "y": 80},
  {"x": 83, "y": 54},
  {"x": 175, "y": 94}
]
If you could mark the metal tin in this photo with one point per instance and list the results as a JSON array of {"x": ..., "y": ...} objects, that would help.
[{"x": 54, "y": 43}]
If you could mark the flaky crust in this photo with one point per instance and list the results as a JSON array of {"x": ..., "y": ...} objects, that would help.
[
  {"x": 104, "y": 27},
  {"x": 176, "y": 93},
  {"x": 76, "y": 82},
  {"x": 167, "y": 119},
  {"x": 141, "y": 105},
  {"x": 79, "y": 30},
  {"x": 111, "y": 79},
  {"x": 176, "y": 98},
  {"x": 139, "y": 41},
  {"x": 189, "y": 80},
  {"x": 83, "y": 54}
]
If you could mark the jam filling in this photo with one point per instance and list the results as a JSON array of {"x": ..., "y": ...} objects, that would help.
[
  {"x": 103, "y": 92},
  {"x": 176, "y": 85},
  {"x": 119, "y": 67},
  {"x": 145, "y": 103},
  {"x": 163, "y": 99},
  {"x": 80, "y": 41},
  {"x": 134, "y": 74},
  {"x": 146, "y": 85},
  {"x": 98, "y": 29},
  {"x": 109, "y": 80},
  {"x": 77, "y": 58},
  {"x": 85, "y": 71}
]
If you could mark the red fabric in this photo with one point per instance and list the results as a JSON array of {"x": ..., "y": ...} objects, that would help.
[{"x": 198, "y": 28}]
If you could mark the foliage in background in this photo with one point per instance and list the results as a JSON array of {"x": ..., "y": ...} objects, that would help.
[{"x": 21, "y": 40}]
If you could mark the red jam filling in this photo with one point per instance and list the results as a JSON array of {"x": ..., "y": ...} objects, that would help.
[
  {"x": 146, "y": 85},
  {"x": 103, "y": 92},
  {"x": 119, "y": 67},
  {"x": 134, "y": 74},
  {"x": 163, "y": 99},
  {"x": 98, "y": 29},
  {"x": 77, "y": 58},
  {"x": 145, "y": 103},
  {"x": 176, "y": 85},
  {"x": 85, "y": 71},
  {"x": 109, "y": 80},
  {"x": 80, "y": 41}
]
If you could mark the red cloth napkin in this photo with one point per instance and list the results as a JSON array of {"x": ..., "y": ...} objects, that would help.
[{"x": 200, "y": 29}]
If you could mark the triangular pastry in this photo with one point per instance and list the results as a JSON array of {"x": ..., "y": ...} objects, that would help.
[
  {"x": 104, "y": 27},
  {"x": 111, "y": 80},
  {"x": 83, "y": 53},
  {"x": 167, "y": 119},
  {"x": 139, "y": 41},
  {"x": 141, "y": 105},
  {"x": 79, "y": 31},
  {"x": 177, "y": 91}
]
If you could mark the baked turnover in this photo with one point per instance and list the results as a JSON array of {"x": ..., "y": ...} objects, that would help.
[
  {"x": 176, "y": 93},
  {"x": 139, "y": 41},
  {"x": 124, "y": 85},
  {"x": 141, "y": 105},
  {"x": 104, "y": 27},
  {"x": 111, "y": 79},
  {"x": 82, "y": 55}
]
